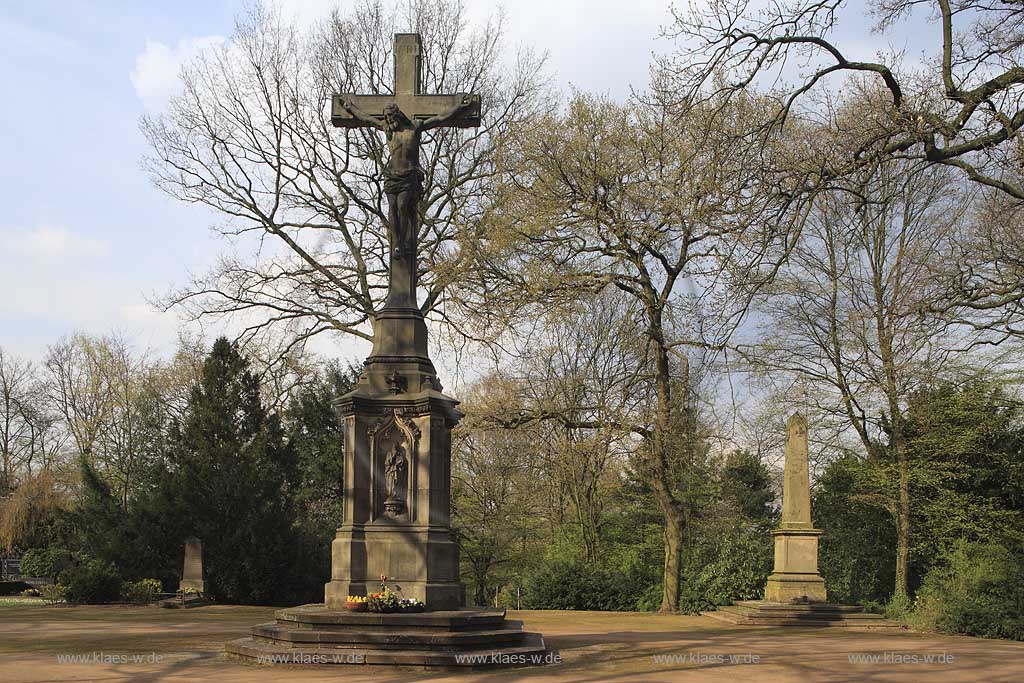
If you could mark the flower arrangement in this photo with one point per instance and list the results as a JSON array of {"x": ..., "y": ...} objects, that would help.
[
  {"x": 383, "y": 601},
  {"x": 356, "y": 603},
  {"x": 410, "y": 605}
]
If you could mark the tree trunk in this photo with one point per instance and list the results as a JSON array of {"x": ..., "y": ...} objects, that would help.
[
  {"x": 901, "y": 590},
  {"x": 674, "y": 524},
  {"x": 671, "y": 509}
]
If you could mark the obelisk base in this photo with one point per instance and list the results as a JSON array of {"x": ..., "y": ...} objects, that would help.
[{"x": 795, "y": 578}]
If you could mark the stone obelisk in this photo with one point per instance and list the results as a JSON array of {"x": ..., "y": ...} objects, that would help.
[{"x": 795, "y": 577}]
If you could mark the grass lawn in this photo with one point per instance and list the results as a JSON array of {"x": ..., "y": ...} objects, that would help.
[
  {"x": 135, "y": 644},
  {"x": 21, "y": 601}
]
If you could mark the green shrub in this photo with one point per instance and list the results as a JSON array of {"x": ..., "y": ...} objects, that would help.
[
  {"x": 650, "y": 598},
  {"x": 45, "y": 562},
  {"x": 92, "y": 582},
  {"x": 739, "y": 570},
  {"x": 53, "y": 593},
  {"x": 977, "y": 590},
  {"x": 898, "y": 608},
  {"x": 141, "y": 592},
  {"x": 575, "y": 585}
]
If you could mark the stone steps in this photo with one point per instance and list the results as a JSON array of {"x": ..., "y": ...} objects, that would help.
[
  {"x": 320, "y": 617},
  {"x": 316, "y": 635},
  {"x": 397, "y": 640},
  {"x": 759, "y": 613}
]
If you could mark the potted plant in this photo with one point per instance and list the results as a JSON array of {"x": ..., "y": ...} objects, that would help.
[
  {"x": 356, "y": 603},
  {"x": 411, "y": 605}
]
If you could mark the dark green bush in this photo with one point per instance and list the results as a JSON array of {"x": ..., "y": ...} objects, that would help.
[
  {"x": 92, "y": 582},
  {"x": 44, "y": 562},
  {"x": 977, "y": 590},
  {"x": 739, "y": 570},
  {"x": 649, "y": 600},
  {"x": 576, "y": 585}
]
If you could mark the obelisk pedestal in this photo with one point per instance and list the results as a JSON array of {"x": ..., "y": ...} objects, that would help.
[{"x": 795, "y": 577}]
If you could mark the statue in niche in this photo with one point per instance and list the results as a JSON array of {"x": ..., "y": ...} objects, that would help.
[{"x": 395, "y": 467}]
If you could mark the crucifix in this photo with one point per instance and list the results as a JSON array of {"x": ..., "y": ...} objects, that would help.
[{"x": 404, "y": 117}]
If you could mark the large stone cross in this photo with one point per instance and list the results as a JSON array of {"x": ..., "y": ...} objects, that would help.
[
  {"x": 403, "y": 117},
  {"x": 409, "y": 95}
]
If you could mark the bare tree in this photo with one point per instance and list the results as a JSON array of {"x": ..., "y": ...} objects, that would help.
[
  {"x": 961, "y": 108},
  {"x": 17, "y": 437},
  {"x": 79, "y": 389},
  {"x": 580, "y": 372},
  {"x": 97, "y": 385},
  {"x": 495, "y": 475},
  {"x": 651, "y": 203},
  {"x": 304, "y": 205}
]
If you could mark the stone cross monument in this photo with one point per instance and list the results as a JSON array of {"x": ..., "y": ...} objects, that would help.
[
  {"x": 395, "y": 517},
  {"x": 397, "y": 422},
  {"x": 796, "y": 578}
]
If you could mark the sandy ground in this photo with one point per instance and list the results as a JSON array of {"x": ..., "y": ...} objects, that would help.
[{"x": 136, "y": 644}]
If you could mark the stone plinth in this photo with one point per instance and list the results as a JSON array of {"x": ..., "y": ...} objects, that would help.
[
  {"x": 396, "y": 514},
  {"x": 795, "y": 578},
  {"x": 315, "y": 634},
  {"x": 764, "y": 613}
]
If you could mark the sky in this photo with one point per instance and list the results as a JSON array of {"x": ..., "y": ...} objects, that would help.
[{"x": 87, "y": 240}]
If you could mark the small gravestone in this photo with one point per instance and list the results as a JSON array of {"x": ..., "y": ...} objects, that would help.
[{"x": 192, "y": 572}]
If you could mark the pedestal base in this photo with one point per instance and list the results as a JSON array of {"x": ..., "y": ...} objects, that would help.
[
  {"x": 817, "y": 615},
  {"x": 795, "y": 588},
  {"x": 795, "y": 578},
  {"x": 420, "y": 562},
  {"x": 317, "y": 635}
]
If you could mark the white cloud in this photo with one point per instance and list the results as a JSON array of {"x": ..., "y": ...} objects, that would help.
[
  {"x": 48, "y": 242},
  {"x": 157, "y": 68}
]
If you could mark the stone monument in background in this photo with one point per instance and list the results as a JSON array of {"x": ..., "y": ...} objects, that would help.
[
  {"x": 192, "y": 570},
  {"x": 795, "y": 577},
  {"x": 795, "y": 593}
]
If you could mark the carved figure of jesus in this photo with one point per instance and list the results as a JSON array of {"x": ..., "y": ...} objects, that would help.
[{"x": 403, "y": 184}]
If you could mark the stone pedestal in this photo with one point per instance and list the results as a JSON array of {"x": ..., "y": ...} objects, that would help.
[
  {"x": 396, "y": 515},
  {"x": 795, "y": 578},
  {"x": 460, "y": 639}
]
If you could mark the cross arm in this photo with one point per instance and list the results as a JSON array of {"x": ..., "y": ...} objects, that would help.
[
  {"x": 368, "y": 110},
  {"x": 357, "y": 111},
  {"x": 464, "y": 114}
]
